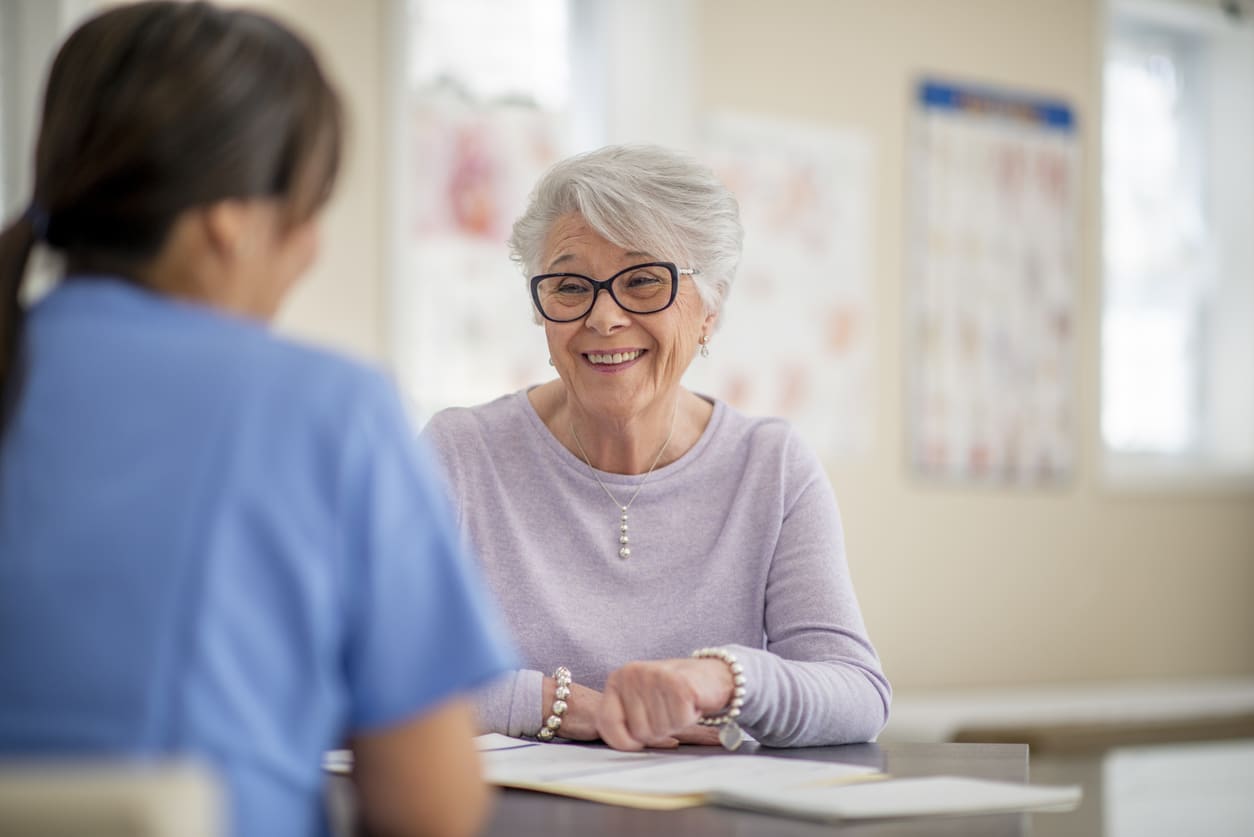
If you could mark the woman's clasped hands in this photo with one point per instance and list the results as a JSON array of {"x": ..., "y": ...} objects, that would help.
[{"x": 653, "y": 703}]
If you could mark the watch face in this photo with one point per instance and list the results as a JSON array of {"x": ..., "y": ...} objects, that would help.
[{"x": 730, "y": 736}]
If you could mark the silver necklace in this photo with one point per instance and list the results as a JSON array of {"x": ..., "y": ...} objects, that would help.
[{"x": 624, "y": 550}]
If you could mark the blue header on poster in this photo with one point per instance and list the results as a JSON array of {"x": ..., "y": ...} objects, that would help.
[{"x": 977, "y": 100}]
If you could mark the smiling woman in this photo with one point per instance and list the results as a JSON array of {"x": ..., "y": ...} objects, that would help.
[{"x": 711, "y": 590}]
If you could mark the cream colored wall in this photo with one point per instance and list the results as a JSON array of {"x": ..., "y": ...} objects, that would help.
[{"x": 959, "y": 585}]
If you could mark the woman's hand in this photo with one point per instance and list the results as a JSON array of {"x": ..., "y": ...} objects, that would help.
[
  {"x": 655, "y": 703},
  {"x": 579, "y": 721}
]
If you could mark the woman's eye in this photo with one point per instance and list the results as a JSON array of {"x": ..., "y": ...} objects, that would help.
[
  {"x": 568, "y": 288},
  {"x": 640, "y": 280}
]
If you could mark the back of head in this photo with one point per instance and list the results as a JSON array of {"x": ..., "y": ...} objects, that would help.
[{"x": 155, "y": 108}]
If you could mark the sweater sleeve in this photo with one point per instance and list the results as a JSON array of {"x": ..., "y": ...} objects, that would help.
[
  {"x": 818, "y": 681},
  {"x": 510, "y": 705}
]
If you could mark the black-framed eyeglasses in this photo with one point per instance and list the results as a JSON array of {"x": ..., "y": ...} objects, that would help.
[{"x": 640, "y": 289}]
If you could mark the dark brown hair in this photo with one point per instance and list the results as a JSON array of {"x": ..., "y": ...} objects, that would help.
[{"x": 152, "y": 109}]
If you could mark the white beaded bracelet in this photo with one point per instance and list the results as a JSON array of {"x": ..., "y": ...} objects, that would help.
[
  {"x": 730, "y": 735},
  {"x": 560, "y": 695}
]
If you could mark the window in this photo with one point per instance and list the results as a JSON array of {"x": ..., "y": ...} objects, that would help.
[{"x": 1178, "y": 296}]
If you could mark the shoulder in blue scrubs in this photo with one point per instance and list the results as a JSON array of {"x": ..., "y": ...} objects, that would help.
[{"x": 219, "y": 543}]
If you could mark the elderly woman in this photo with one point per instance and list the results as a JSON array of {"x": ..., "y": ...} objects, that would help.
[{"x": 672, "y": 570}]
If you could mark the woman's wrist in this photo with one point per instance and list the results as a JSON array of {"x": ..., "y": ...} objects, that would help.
[
  {"x": 717, "y": 694},
  {"x": 725, "y": 717},
  {"x": 557, "y": 707}
]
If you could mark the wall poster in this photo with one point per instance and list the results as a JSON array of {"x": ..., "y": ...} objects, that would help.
[
  {"x": 797, "y": 337},
  {"x": 992, "y": 266}
]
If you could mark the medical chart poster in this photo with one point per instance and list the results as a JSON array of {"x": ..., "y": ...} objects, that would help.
[
  {"x": 797, "y": 337},
  {"x": 992, "y": 260},
  {"x": 465, "y": 330}
]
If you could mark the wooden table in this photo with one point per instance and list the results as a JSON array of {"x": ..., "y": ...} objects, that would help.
[{"x": 525, "y": 813}]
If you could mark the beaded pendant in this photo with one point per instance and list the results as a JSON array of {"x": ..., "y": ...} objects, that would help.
[{"x": 624, "y": 551}]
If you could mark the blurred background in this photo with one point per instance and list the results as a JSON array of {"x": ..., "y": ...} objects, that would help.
[{"x": 999, "y": 269}]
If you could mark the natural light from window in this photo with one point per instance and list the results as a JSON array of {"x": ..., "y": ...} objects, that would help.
[{"x": 1177, "y": 355}]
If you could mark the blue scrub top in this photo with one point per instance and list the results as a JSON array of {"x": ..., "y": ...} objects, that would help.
[{"x": 218, "y": 543}]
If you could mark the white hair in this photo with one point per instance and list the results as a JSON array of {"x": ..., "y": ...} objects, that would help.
[{"x": 640, "y": 197}]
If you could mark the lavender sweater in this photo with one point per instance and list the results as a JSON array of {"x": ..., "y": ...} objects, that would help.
[{"x": 737, "y": 543}]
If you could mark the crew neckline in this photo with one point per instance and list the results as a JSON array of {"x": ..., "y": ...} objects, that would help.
[{"x": 570, "y": 460}]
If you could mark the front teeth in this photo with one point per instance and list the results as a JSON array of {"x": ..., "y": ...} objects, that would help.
[{"x": 617, "y": 357}]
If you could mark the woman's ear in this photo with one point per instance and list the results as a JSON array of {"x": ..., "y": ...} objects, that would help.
[
  {"x": 227, "y": 228},
  {"x": 707, "y": 327}
]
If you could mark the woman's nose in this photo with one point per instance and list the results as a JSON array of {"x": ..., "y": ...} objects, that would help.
[{"x": 606, "y": 316}]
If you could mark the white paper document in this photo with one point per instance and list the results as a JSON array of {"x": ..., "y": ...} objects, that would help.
[
  {"x": 657, "y": 772},
  {"x": 928, "y": 796},
  {"x": 561, "y": 763}
]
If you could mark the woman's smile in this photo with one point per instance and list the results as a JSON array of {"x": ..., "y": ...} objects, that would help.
[{"x": 612, "y": 361}]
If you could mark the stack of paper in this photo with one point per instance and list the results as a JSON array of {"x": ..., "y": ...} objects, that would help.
[
  {"x": 794, "y": 787},
  {"x": 655, "y": 779}
]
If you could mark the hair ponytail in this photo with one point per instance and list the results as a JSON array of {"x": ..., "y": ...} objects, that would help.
[{"x": 16, "y": 243}]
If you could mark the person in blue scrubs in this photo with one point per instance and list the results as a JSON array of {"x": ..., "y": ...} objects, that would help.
[{"x": 214, "y": 542}]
